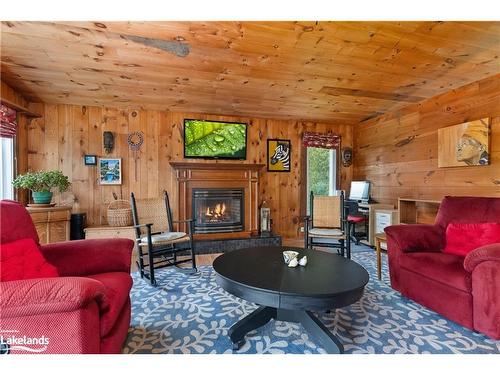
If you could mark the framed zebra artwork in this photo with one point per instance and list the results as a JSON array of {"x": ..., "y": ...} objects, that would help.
[{"x": 279, "y": 155}]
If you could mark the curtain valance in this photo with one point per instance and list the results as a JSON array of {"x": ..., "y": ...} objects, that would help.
[
  {"x": 321, "y": 140},
  {"x": 8, "y": 122}
]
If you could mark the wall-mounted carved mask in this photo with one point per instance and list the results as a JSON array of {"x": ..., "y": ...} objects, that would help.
[
  {"x": 346, "y": 156},
  {"x": 109, "y": 141}
]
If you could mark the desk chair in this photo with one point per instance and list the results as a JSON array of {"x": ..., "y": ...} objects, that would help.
[
  {"x": 355, "y": 216},
  {"x": 157, "y": 243},
  {"x": 327, "y": 222}
]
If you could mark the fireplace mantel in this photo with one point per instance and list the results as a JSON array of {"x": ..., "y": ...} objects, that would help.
[
  {"x": 195, "y": 175},
  {"x": 177, "y": 165}
]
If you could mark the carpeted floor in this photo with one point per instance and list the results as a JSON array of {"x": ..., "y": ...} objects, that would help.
[{"x": 191, "y": 314}]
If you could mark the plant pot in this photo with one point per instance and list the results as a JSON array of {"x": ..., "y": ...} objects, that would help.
[{"x": 42, "y": 197}]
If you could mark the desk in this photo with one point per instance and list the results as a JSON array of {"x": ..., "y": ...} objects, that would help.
[{"x": 370, "y": 209}]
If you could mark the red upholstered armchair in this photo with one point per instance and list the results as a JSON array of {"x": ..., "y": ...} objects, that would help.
[
  {"x": 86, "y": 309},
  {"x": 465, "y": 290}
]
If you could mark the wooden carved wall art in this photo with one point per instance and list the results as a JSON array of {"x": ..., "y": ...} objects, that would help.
[
  {"x": 108, "y": 141},
  {"x": 346, "y": 156}
]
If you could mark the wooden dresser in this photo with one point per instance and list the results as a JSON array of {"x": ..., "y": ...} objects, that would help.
[
  {"x": 51, "y": 223},
  {"x": 370, "y": 209}
]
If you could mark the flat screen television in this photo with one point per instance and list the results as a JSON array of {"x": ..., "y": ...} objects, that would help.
[
  {"x": 215, "y": 139},
  {"x": 360, "y": 191}
]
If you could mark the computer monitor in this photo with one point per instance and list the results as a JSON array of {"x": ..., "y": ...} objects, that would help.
[{"x": 360, "y": 191}]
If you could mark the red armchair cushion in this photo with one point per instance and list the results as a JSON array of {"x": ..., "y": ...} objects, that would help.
[
  {"x": 462, "y": 238},
  {"x": 88, "y": 257},
  {"x": 117, "y": 286},
  {"x": 468, "y": 210},
  {"x": 445, "y": 268},
  {"x": 488, "y": 253},
  {"x": 46, "y": 296},
  {"x": 416, "y": 237},
  {"x": 15, "y": 222},
  {"x": 22, "y": 259}
]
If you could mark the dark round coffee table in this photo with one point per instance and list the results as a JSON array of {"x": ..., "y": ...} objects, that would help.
[{"x": 259, "y": 275}]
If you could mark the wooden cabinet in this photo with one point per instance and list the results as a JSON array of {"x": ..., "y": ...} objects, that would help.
[
  {"x": 110, "y": 232},
  {"x": 384, "y": 218},
  {"x": 369, "y": 209},
  {"x": 51, "y": 223}
]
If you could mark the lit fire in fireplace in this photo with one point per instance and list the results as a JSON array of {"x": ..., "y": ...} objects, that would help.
[{"x": 217, "y": 213}]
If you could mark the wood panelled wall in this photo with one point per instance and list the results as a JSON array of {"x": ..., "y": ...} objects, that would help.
[
  {"x": 397, "y": 152},
  {"x": 64, "y": 133}
]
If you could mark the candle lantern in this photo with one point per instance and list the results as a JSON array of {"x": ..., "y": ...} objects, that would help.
[{"x": 265, "y": 219}]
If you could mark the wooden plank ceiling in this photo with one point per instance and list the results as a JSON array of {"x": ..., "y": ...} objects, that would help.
[{"x": 341, "y": 72}]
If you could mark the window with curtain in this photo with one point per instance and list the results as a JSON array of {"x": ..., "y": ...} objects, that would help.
[
  {"x": 8, "y": 130},
  {"x": 321, "y": 164}
]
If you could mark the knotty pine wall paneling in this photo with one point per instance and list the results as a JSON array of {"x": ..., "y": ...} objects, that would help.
[
  {"x": 397, "y": 151},
  {"x": 65, "y": 133}
]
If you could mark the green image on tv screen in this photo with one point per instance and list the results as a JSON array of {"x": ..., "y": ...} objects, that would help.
[{"x": 211, "y": 139}]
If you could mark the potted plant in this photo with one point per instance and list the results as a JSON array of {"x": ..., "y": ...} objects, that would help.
[{"x": 41, "y": 184}]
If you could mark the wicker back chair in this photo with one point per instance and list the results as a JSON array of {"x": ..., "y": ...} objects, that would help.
[
  {"x": 327, "y": 225},
  {"x": 326, "y": 211},
  {"x": 152, "y": 210},
  {"x": 157, "y": 242}
]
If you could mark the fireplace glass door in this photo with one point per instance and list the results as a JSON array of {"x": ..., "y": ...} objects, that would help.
[{"x": 218, "y": 210}]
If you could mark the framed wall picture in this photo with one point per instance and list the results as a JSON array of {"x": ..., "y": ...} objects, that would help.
[
  {"x": 465, "y": 144},
  {"x": 279, "y": 155},
  {"x": 90, "y": 160},
  {"x": 110, "y": 171}
]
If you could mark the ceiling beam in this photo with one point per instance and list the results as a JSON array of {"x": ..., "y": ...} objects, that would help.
[{"x": 340, "y": 91}]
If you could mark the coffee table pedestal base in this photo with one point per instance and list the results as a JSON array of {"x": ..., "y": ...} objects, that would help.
[{"x": 264, "y": 314}]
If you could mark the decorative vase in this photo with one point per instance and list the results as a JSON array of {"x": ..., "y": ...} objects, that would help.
[{"x": 42, "y": 197}]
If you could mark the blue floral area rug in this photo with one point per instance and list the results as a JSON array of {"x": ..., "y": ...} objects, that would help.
[{"x": 192, "y": 314}]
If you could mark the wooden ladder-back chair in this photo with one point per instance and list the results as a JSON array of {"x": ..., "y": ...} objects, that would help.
[
  {"x": 157, "y": 243},
  {"x": 327, "y": 225}
]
